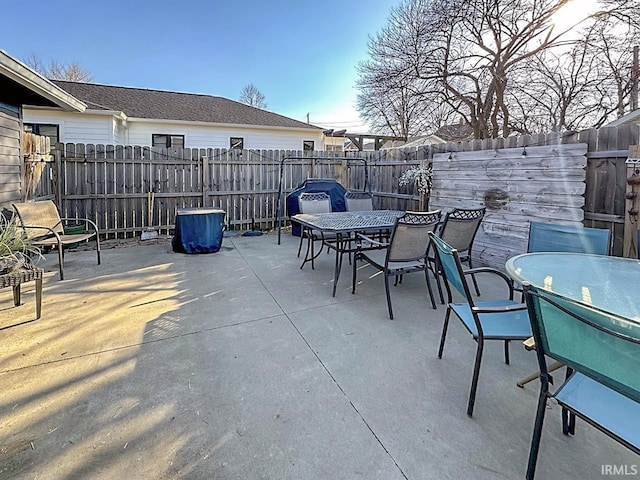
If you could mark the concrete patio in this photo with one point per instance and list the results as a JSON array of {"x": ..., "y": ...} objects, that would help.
[{"x": 239, "y": 365}]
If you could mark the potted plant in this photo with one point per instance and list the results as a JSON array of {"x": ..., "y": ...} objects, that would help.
[
  {"x": 421, "y": 176},
  {"x": 16, "y": 249}
]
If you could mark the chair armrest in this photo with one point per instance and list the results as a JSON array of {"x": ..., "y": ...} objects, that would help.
[
  {"x": 502, "y": 309},
  {"x": 493, "y": 271},
  {"x": 361, "y": 236},
  {"x": 49, "y": 230},
  {"x": 78, "y": 220}
]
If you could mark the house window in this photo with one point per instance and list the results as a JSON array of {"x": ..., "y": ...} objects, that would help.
[
  {"x": 45, "y": 129},
  {"x": 167, "y": 141},
  {"x": 236, "y": 142},
  {"x": 307, "y": 145}
]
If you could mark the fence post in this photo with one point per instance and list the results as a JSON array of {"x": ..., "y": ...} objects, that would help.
[
  {"x": 58, "y": 174},
  {"x": 204, "y": 160},
  {"x": 632, "y": 204}
]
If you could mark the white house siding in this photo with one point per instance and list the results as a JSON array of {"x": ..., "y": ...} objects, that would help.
[
  {"x": 10, "y": 159},
  {"x": 75, "y": 127},
  {"x": 106, "y": 128},
  {"x": 212, "y": 136},
  {"x": 118, "y": 132}
]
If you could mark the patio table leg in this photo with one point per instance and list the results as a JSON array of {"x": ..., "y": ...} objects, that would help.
[{"x": 530, "y": 378}]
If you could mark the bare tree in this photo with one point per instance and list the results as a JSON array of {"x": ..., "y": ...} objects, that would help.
[
  {"x": 71, "y": 71},
  {"x": 501, "y": 65},
  {"x": 588, "y": 85},
  {"x": 252, "y": 96},
  {"x": 392, "y": 98}
]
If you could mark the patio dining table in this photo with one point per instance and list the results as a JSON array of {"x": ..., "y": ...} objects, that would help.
[
  {"x": 341, "y": 227},
  {"x": 602, "y": 281}
]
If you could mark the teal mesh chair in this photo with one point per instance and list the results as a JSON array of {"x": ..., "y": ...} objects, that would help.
[
  {"x": 602, "y": 353},
  {"x": 552, "y": 237},
  {"x": 504, "y": 319}
]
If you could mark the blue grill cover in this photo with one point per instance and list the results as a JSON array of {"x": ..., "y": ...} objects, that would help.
[
  {"x": 314, "y": 185},
  {"x": 198, "y": 230}
]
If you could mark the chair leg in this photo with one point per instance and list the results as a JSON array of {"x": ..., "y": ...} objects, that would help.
[
  {"x": 568, "y": 418},
  {"x": 436, "y": 273},
  {"x": 473, "y": 277},
  {"x": 433, "y": 300},
  {"x": 38, "y": 298},
  {"x": 443, "y": 337},
  {"x": 313, "y": 252},
  {"x": 506, "y": 352},
  {"x": 572, "y": 423},
  {"x": 306, "y": 253},
  {"x": 16, "y": 295},
  {"x": 474, "y": 380},
  {"x": 98, "y": 248},
  {"x": 354, "y": 273},
  {"x": 386, "y": 288},
  {"x": 61, "y": 261},
  {"x": 537, "y": 432}
]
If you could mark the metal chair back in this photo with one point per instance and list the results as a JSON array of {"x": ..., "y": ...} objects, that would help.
[
  {"x": 460, "y": 226},
  {"x": 358, "y": 201},
  {"x": 598, "y": 344},
  {"x": 318, "y": 202},
  {"x": 452, "y": 268},
  {"x": 410, "y": 237},
  {"x": 552, "y": 237}
]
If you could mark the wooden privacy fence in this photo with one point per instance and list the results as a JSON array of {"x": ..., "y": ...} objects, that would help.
[{"x": 114, "y": 185}]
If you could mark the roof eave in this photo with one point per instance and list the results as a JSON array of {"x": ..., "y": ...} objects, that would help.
[
  {"x": 28, "y": 78},
  {"x": 311, "y": 128},
  {"x": 631, "y": 117}
]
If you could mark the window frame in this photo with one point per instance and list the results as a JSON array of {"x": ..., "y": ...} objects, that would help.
[
  {"x": 169, "y": 140},
  {"x": 35, "y": 128},
  {"x": 308, "y": 143},
  {"x": 236, "y": 140}
]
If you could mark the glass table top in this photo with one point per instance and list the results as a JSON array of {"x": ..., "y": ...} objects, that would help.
[{"x": 609, "y": 283}]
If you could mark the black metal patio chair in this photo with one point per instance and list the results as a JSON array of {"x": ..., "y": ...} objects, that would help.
[
  {"x": 458, "y": 230},
  {"x": 358, "y": 201},
  {"x": 312, "y": 203},
  {"x": 405, "y": 252}
]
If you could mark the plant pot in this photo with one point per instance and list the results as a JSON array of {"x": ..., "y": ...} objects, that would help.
[{"x": 73, "y": 229}]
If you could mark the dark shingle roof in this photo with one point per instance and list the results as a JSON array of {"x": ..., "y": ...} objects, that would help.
[{"x": 190, "y": 107}]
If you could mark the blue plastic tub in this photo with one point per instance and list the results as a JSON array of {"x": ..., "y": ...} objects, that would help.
[{"x": 198, "y": 230}]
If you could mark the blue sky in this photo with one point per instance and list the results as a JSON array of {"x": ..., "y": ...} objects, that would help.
[{"x": 301, "y": 55}]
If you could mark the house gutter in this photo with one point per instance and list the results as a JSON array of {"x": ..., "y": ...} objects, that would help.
[{"x": 30, "y": 79}]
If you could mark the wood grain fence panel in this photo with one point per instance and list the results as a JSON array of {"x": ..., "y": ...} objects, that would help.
[{"x": 511, "y": 185}]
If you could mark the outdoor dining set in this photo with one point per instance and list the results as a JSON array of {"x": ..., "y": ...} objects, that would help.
[{"x": 566, "y": 298}]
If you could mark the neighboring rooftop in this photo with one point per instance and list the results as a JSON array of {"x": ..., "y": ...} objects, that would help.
[
  {"x": 457, "y": 132},
  {"x": 22, "y": 85},
  {"x": 165, "y": 105}
]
